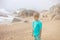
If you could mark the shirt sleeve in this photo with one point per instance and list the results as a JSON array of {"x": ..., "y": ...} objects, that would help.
[{"x": 40, "y": 25}]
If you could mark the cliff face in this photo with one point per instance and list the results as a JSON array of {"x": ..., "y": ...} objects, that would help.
[
  {"x": 26, "y": 13},
  {"x": 52, "y": 14},
  {"x": 55, "y": 9},
  {"x": 55, "y": 12}
]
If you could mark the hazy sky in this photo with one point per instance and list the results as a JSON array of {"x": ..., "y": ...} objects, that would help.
[{"x": 29, "y": 4}]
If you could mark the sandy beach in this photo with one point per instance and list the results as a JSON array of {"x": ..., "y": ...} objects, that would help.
[{"x": 23, "y": 31}]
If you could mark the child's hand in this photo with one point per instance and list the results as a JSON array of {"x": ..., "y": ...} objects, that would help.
[{"x": 32, "y": 34}]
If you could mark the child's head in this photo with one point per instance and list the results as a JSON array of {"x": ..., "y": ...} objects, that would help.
[{"x": 36, "y": 16}]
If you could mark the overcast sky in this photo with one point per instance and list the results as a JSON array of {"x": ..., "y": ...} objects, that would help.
[{"x": 29, "y": 4}]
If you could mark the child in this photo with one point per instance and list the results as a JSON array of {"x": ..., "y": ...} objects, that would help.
[{"x": 37, "y": 27}]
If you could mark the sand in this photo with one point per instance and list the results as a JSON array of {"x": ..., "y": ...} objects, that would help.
[{"x": 23, "y": 31}]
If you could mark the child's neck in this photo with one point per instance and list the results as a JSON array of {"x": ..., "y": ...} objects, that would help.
[{"x": 36, "y": 20}]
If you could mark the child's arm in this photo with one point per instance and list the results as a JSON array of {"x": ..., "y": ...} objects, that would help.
[
  {"x": 41, "y": 29},
  {"x": 32, "y": 32},
  {"x": 40, "y": 32}
]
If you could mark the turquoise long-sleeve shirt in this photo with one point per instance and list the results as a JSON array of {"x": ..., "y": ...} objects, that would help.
[{"x": 37, "y": 27}]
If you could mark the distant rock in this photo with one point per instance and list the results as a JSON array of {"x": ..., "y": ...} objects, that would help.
[
  {"x": 16, "y": 20},
  {"x": 55, "y": 12},
  {"x": 55, "y": 9},
  {"x": 26, "y": 13},
  {"x": 44, "y": 15},
  {"x": 14, "y": 13},
  {"x": 57, "y": 17},
  {"x": 25, "y": 21}
]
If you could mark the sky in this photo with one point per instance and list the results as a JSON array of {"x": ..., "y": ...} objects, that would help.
[{"x": 28, "y": 4}]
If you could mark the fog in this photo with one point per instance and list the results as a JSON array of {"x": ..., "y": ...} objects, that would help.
[{"x": 29, "y": 4}]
